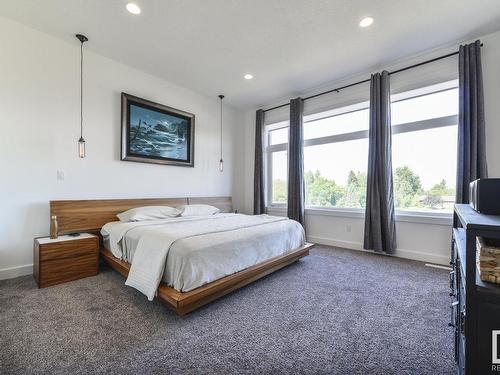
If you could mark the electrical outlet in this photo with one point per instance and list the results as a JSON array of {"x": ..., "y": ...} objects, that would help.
[
  {"x": 60, "y": 175},
  {"x": 348, "y": 228}
]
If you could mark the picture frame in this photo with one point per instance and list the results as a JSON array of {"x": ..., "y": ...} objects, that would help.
[{"x": 155, "y": 133}]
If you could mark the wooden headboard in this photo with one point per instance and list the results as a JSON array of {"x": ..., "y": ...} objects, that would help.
[{"x": 91, "y": 215}]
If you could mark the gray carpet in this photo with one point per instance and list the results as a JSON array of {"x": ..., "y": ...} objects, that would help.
[{"x": 334, "y": 312}]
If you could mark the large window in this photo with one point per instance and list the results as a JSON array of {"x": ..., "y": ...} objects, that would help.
[
  {"x": 277, "y": 162},
  {"x": 424, "y": 142},
  {"x": 424, "y": 148},
  {"x": 335, "y": 157}
]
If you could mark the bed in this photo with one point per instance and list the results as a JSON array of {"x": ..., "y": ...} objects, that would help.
[{"x": 189, "y": 261}]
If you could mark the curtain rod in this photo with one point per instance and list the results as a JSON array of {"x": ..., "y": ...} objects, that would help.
[{"x": 368, "y": 80}]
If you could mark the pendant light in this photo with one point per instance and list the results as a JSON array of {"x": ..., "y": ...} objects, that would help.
[
  {"x": 81, "y": 141},
  {"x": 221, "y": 161}
]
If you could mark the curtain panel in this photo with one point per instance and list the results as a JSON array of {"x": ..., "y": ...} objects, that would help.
[
  {"x": 259, "y": 203},
  {"x": 471, "y": 155},
  {"x": 295, "y": 208},
  {"x": 380, "y": 226}
]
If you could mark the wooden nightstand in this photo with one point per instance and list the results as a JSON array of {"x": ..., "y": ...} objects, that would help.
[{"x": 66, "y": 258}]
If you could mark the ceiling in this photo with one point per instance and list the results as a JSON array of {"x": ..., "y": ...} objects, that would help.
[{"x": 290, "y": 46}]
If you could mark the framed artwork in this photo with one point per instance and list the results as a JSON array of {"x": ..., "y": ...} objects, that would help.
[{"x": 155, "y": 133}]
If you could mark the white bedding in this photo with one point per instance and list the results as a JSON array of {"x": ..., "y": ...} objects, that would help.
[{"x": 187, "y": 252}]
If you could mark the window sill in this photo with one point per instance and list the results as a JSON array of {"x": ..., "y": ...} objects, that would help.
[
  {"x": 355, "y": 213},
  {"x": 425, "y": 217}
]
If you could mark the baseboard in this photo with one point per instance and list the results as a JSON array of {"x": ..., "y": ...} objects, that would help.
[
  {"x": 424, "y": 257},
  {"x": 12, "y": 272},
  {"x": 400, "y": 253},
  {"x": 27, "y": 269}
]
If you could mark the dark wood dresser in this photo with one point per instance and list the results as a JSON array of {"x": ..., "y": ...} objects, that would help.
[
  {"x": 66, "y": 258},
  {"x": 475, "y": 307}
]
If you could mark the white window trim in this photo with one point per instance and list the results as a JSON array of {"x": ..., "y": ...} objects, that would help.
[
  {"x": 433, "y": 123},
  {"x": 424, "y": 217},
  {"x": 421, "y": 217}
]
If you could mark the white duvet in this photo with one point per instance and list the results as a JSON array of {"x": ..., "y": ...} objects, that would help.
[{"x": 188, "y": 252}]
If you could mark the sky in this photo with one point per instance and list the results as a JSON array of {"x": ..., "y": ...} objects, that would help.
[
  {"x": 149, "y": 116},
  {"x": 430, "y": 153}
]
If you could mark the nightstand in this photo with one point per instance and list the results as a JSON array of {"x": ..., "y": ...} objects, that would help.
[{"x": 66, "y": 258}]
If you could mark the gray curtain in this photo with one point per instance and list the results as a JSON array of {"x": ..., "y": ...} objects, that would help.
[
  {"x": 296, "y": 162},
  {"x": 380, "y": 226},
  {"x": 471, "y": 158},
  {"x": 259, "y": 203}
]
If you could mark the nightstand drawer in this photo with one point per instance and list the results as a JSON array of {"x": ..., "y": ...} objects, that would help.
[
  {"x": 69, "y": 249},
  {"x": 66, "y": 258},
  {"x": 62, "y": 270}
]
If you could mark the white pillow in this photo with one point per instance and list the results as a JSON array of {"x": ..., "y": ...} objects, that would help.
[
  {"x": 148, "y": 213},
  {"x": 198, "y": 210}
]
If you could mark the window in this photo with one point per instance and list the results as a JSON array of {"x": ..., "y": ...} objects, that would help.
[
  {"x": 276, "y": 160},
  {"x": 335, "y": 157},
  {"x": 278, "y": 136},
  {"x": 279, "y": 163},
  {"x": 424, "y": 147}
]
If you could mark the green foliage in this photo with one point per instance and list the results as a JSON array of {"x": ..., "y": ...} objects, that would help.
[
  {"x": 408, "y": 191},
  {"x": 279, "y": 191},
  {"x": 434, "y": 196},
  {"x": 355, "y": 191},
  {"x": 441, "y": 189},
  {"x": 320, "y": 190},
  {"x": 433, "y": 201},
  {"x": 407, "y": 187},
  {"x": 409, "y": 194},
  {"x": 324, "y": 192}
]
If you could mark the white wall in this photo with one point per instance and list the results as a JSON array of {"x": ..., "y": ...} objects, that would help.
[
  {"x": 417, "y": 239},
  {"x": 39, "y": 123}
]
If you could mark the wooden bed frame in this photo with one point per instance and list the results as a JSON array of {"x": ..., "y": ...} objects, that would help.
[{"x": 91, "y": 215}]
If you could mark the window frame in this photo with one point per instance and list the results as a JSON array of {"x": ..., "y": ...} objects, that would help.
[
  {"x": 428, "y": 217},
  {"x": 268, "y": 160}
]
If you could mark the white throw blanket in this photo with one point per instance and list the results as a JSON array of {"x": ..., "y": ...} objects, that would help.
[{"x": 156, "y": 239}]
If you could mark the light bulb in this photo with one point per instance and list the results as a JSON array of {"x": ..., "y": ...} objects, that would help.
[
  {"x": 221, "y": 165},
  {"x": 133, "y": 8},
  {"x": 81, "y": 147},
  {"x": 365, "y": 22}
]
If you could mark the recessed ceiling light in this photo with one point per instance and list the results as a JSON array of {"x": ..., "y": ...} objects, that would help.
[
  {"x": 365, "y": 22},
  {"x": 248, "y": 76},
  {"x": 133, "y": 8}
]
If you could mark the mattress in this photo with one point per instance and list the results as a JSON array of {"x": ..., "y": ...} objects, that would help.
[{"x": 228, "y": 243}]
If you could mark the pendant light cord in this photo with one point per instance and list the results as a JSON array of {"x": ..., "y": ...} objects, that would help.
[
  {"x": 221, "y": 128},
  {"x": 81, "y": 90}
]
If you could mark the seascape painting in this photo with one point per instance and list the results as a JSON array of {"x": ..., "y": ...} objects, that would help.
[
  {"x": 154, "y": 133},
  {"x": 157, "y": 134}
]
